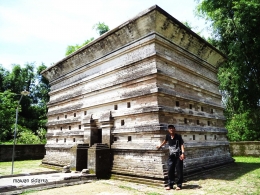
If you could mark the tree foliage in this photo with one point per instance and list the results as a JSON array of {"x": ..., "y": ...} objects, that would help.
[
  {"x": 7, "y": 114},
  {"x": 243, "y": 126},
  {"x": 100, "y": 28},
  {"x": 26, "y": 136},
  {"x": 32, "y": 109},
  {"x": 72, "y": 48},
  {"x": 235, "y": 31}
]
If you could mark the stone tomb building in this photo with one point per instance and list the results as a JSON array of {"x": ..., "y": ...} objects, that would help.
[{"x": 112, "y": 100}]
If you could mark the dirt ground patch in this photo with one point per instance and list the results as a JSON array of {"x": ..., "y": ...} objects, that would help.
[{"x": 114, "y": 187}]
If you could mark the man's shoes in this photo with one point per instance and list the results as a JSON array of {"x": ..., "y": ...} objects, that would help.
[
  {"x": 178, "y": 188},
  {"x": 168, "y": 188}
]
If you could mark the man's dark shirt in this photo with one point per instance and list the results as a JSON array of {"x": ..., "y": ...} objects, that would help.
[{"x": 177, "y": 141}]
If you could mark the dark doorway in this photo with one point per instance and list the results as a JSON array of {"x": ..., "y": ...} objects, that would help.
[
  {"x": 96, "y": 136},
  {"x": 99, "y": 133},
  {"x": 82, "y": 157}
]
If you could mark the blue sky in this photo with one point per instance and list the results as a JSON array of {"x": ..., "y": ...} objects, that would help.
[{"x": 40, "y": 30}]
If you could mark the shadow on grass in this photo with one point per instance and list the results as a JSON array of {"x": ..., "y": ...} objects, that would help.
[
  {"x": 189, "y": 186},
  {"x": 230, "y": 172}
]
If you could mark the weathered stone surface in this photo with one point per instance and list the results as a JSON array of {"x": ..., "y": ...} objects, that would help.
[
  {"x": 66, "y": 169},
  {"x": 124, "y": 89},
  {"x": 85, "y": 171},
  {"x": 245, "y": 148},
  {"x": 22, "y": 152}
]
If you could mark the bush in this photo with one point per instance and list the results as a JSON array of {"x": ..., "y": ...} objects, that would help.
[
  {"x": 26, "y": 136},
  {"x": 243, "y": 127}
]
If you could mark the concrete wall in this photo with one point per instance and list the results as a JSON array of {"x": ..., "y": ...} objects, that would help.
[
  {"x": 246, "y": 148},
  {"x": 22, "y": 152}
]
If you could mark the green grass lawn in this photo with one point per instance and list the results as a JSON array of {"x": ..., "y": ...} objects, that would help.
[
  {"x": 24, "y": 166},
  {"x": 241, "y": 177}
]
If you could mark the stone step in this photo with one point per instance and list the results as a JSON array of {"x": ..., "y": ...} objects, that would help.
[
  {"x": 141, "y": 162},
  {"x": 153, "y": 172},
  {"x": 99, "y": 146},
  {"x": 149, "y": 172},
  {"x": 138, "y": 164},
  {"x": 138, "y": 174},
  {"x": 52, "y": 166},
  {"x": 118, "y": 166},
  {"x": 140, "y": 180}
]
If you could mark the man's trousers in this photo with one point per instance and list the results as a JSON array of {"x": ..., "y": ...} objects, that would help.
[{"x": 175, "y": 162}]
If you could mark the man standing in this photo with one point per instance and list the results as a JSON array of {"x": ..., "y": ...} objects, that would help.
[{"x": 176, "y": 156}]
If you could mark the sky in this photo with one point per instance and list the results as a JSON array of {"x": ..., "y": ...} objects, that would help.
[{"x": 39, "y": 31}]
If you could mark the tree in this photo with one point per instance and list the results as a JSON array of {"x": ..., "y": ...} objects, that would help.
[
  {"x": 32, "y": 109},
  {"x": 7, "y": 114},
  {"x": 3, "y": 73},
  {"x": 41, "y": 88},
  {"x": 193, "y": 28},
  {"x": 20, "y": 78},
  {"x": 70, "y": 49},
  {"x": 101, "y": 28},
  {"x": 235, "y": 31},
  {"x": 40, "y": 98},
  {"x": 187, "y": 24}
]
